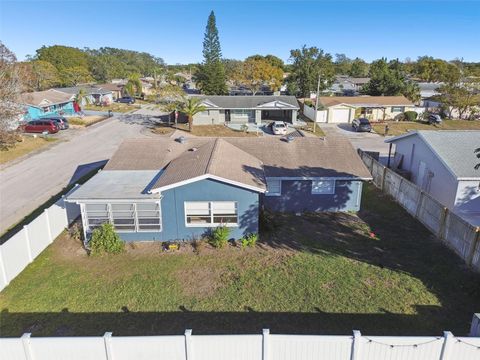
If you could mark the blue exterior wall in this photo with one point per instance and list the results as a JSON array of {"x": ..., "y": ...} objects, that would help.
[
  {"x": 297, "y": 197},
  {"x": 173, "y": 213},
  {"x": 36, "y": 113}
]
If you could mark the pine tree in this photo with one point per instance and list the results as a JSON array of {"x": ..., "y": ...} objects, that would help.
[{"x": 211, "y": 75}]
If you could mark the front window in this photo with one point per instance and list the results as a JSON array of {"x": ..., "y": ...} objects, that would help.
[
  {"x": 125, "y": 217},
  {"x": 274, "y": 187},
  {"x": 323, "y": 187},
  {"x": 398, "y": 109},
  {"x": 211, "y": 213}
]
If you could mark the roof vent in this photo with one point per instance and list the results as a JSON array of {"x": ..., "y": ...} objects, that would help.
[
  {"x": 182, "y": 139},
  {"x": 289, "y": 138}
]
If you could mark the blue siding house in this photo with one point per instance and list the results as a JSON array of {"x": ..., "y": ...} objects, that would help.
[
  {"x": 165, "y": 189},
  {"x": 46, "y": 103}
]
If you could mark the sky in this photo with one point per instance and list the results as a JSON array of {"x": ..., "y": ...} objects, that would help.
[{"x": 173, "y": 30}]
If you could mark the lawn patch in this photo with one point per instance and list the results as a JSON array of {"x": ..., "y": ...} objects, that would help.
[
  {"x": 86, "y": 120},
  {"x": 401, "y": 127},
  {"x": 28, "y": 145}
]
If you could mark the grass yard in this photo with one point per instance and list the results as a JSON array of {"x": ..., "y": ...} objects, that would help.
[
  {"x": 115, "y": 107},
  {"x": 398, "y": 128},
  {"x": 214, "y": 131},
  {"x": 86, "y": 120},
  {"x": 28, "y": 145},
  {"x": 317, "y": 274}
]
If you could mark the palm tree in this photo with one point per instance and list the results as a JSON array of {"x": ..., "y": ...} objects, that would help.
[
  {"x": 477, "y": 151},
  {"x": 191, "y": 107},
  {"x": 134, "y": 85}
]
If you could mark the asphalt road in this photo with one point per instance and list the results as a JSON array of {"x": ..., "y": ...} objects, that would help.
[{"x": 27, "y": 184}]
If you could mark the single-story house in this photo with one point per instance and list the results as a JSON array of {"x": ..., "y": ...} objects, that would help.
[
  {"x": 179, "y": 189},
  {"x": 46, "y": 103},
  {"x": 94, "y": 94},
  {"x": 343, "y": 109},
  {"x": 116, "y": 89},
  {"x": 246, "y": 109},
  {"x": 347, "y": 85},
  {"x": 442, "y": 163}
]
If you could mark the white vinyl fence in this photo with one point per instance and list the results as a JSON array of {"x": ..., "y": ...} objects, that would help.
[
  {"x": 23, "y": 247},
  {"x": 309, "y": 112},
  {"x": 242, "y": 347},
  {"x": 456, "y": 233}
]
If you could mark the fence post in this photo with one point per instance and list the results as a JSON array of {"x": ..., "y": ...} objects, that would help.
[
  {"x": 419, "y": 204},
  {"x": 443, "y": 224},
  {"x": 447, "y": 345},
  {"x": 399, "y": 189},
  {"x": 49, "y": 229},
  {"x": 107, "y": 340},
  {"x": 3, "y": 271},
  {"x": 26, "y": 346},
  {"x": 473, "y": 247},
  {"x": 27, "y": 239},
  {"x": 475, "y": 328},
  {"x": 65, "y": 208},
  {"x": 384, "y": 173},
  {"x": 265, "y": 344},
  {"x": 188, "y": 344},
  {"x": 356, "y": 345}
]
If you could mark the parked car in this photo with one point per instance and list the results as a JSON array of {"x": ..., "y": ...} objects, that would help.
[
  {"x": 126, "y": 100},
  {"x": 61, "y": 121},
  {"x": 40, "y": 126},
  {"x": 278, "y": 128},
  {"x": 361, "y": 125}
]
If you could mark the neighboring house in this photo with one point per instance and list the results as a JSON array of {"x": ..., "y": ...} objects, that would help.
[
  {"x": 343, "y": 109},
  {"x": 166, "y": 189},
  {"x": 94, "y": 94},
  {"x": 46, "y": 103},
  {"x": 442, "y": 163},
  {"x": 246, "y": 109},
  {"x": 116, "y": 89},
  {"x": 347, "y": 85}
]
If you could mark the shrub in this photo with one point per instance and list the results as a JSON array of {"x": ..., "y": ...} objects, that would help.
[
  {"x": 219, "y": 236},
  {"x": 410, "y": 115},
  {"x": 106, "y": 240},
  {"x": 250, "y": 240},
  {"x": 75, "y": 231}
]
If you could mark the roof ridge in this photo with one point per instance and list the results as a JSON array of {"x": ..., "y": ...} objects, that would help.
[{"x": 212, "y": 153}]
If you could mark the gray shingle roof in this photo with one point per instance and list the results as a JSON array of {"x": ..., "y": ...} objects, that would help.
[
  {"x": 45, "y": 98},
  {"x": 248, "y": 102},
  {"x": 88, "y": 89}
]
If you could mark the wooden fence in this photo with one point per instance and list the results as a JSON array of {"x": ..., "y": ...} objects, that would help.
[{"x": 456, "y": 233}]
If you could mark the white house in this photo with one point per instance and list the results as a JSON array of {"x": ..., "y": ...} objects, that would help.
[{"x": 443, "y": 163}]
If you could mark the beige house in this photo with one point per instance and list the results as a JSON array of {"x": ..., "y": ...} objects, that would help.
[{"x": 343, "y": 109}]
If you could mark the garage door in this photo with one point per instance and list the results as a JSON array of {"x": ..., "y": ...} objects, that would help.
[{"x": 340, "y": 116}]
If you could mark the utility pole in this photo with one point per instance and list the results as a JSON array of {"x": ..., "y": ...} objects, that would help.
[{"x": 316, "y": 106}]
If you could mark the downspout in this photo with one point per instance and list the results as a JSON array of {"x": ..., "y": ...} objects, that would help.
[{"x": 389, "y": 155}]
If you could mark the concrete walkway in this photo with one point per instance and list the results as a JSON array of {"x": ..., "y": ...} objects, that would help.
[{"x": 29, "y": 183}]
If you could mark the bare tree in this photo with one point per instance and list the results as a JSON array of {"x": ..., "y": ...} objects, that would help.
[{"x": 10, "y": 88}]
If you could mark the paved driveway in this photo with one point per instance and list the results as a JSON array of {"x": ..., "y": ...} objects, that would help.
[
  {"x": 29, "y": 183},
  {"x": 362, "y": 140}
]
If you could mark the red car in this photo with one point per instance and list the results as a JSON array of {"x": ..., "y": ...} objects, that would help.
[{"x": 40, "y": 126}]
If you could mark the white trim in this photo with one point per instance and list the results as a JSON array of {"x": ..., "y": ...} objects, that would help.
[
  {"x": 210, "y": 209},
  {"x": 315, "y": 178},
  {"x": 203, "y": 177}
]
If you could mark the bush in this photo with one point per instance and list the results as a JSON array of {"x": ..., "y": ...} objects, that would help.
[
  {"x": 410, "y": 115},
  {"x": 219, "y": 237},
  {"x": 250, "y": 240},
  {"x": 106, "y": 240}
]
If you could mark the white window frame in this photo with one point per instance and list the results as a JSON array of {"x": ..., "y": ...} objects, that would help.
[
  {"x": 316, "y": 192},
  {"x": 110, "y": 217},
  {"x": 211, "y": 210},
  {"x": 275, "y": 193},
  {"x": 397, "y": 109}
]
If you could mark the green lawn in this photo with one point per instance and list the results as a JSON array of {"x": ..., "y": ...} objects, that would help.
[
  {"x": 319, "y": 273},
  {"x": 28, "y": 145},
  {"x": 398, "y": 128},
  {"x": 115, "y": 107}
]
